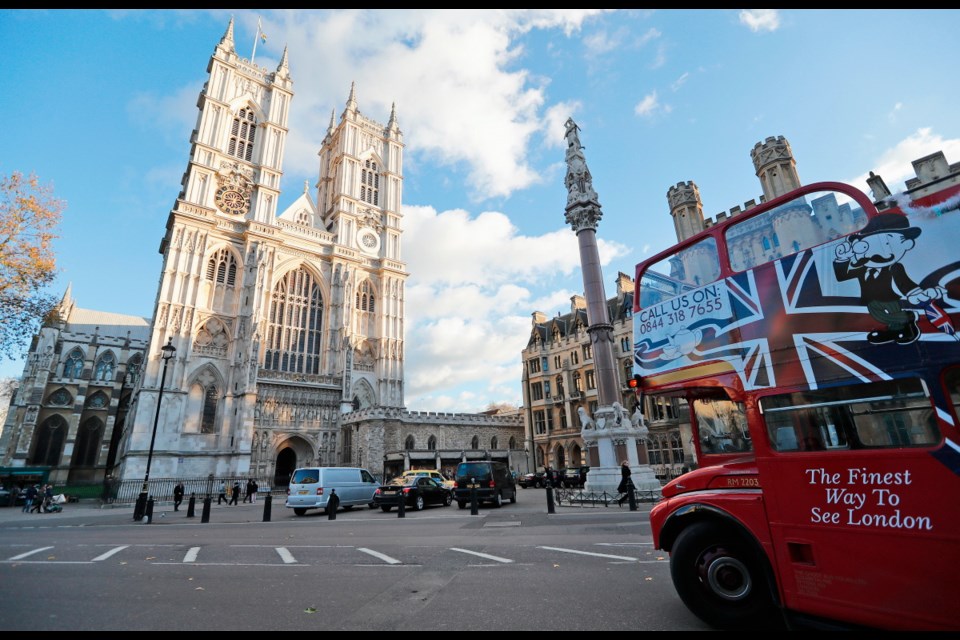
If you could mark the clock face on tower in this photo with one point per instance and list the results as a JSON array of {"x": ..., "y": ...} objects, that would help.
[{"x": 231, "y": 200}]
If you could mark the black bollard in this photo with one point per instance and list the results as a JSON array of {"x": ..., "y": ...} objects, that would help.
[
  {"x": 632, "y": 495},
  {"x": 205, "y": 516},
  {"x": 149, "y": 512},
  {"x": 192, "y": 506},
  {"x": 474, "y": 503},
  {"x": 402, "y": 505},
  {"x": 266, "y": 508},
  {"x": 139, "y": 507},
  {"x": 333, "y": 503},
  {"x": 550, "y": 506}
]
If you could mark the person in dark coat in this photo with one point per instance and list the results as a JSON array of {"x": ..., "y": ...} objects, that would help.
[
  {"x": 626, "y": 484},
  {"x": 30, "y": 496},
  {"x": 235, "y": 494},
  {"x": 248, "y": 495},
  {"x": 177, "y": 496}
]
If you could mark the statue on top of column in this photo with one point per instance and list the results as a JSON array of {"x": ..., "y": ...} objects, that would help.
[{"x": 578, "y": 181}]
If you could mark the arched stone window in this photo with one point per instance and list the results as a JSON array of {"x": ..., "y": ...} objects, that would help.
[
  {"x": 295, "y": 325},
  {"x": 73, "y": 367},
  {"x": 432, "y": 443},
  {"x": 106, "y": 365},
  {"x": 410, "y": 443},
  {"x": 366, "y": 309},
  {"x": 134, "y": 366},
  {"x": 88, "y": 443},
  {"x": 370, "y": 183},
  {"x": 203, "y": 402},
  {"x": 48, "y": 441},
  {"x": 222, "y": 268},
  {"x": 475, "y": 443},
  {"x": 243, "y": 135},
  {"x": 512, "y": 443},
  {"x": 494, "y": 442}
]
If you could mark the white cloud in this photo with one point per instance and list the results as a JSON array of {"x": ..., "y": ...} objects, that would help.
[
  {"x": 442, "y": 68},
  {"x": 760, "y": 19},
  {"x": 895, "y": 165},
  {"x": 468, "y": 301},
  {"x": 679, "y": 82},
  {"x": 648, "y": 105}
]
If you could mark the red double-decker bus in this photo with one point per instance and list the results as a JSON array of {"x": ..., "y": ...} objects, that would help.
[{"x": 813, "y": 340}]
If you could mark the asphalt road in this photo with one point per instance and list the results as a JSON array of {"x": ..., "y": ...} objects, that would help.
[{"x": 513, "y": 568}]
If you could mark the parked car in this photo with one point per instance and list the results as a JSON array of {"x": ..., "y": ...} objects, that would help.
[
  {"x": 532, "y": 480},
  {"x": 574, "y": 477},
  {"x": 11, "y": 497},
  {"x": 492, "y": 482},
  {"x": 416, "y": 492},
  {"x": 430, "y": 473}
]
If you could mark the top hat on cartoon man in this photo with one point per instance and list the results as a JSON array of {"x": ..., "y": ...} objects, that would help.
[{"x": 887, "y": 223}]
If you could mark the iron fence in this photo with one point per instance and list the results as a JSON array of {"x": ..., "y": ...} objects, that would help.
[{"x": 161, "y": 489}]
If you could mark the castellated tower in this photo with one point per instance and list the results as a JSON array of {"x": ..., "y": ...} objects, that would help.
[
  {"x": 775, "y": 166},
  {"x": 686, "y": 209}
]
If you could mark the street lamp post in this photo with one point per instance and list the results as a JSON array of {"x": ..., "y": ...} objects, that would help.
[{"x": 168, "y": 352}]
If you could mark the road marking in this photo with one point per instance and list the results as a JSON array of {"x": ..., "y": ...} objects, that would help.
[
  {"x": 30, "y": 553},
  {"x": 590, "y": 553},
  {"x": 482, "y": 555},
  {"x": 113, "y": 551},
  {"x": 192, "y": 554},
  {"x": 286, "y": 555},
  {"x": 377, "y": 554}
]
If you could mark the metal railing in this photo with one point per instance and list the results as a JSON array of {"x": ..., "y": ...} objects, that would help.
[
  {"x": 588, "y": 499},
  {"x": 161, "y": 489}
]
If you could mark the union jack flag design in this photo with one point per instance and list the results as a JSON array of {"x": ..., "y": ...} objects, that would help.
[
  {"x": 784, "y": 323},
  {"x": 939, "y": 318}
]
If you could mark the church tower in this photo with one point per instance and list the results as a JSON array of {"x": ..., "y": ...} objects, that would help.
[{"x": 281, "y": 320}]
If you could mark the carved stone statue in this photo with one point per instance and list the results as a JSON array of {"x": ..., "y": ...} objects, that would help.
[
  {"x": 586, "y": 421},
  {"x": 619, "y": 414}
]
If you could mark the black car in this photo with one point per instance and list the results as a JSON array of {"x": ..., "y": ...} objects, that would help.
[
  {"x": 416, "y": 492},
  {"x": 574, "y": 477},
  {"x": 532, "y": 480},
  {"x": 486, "y": 480}
]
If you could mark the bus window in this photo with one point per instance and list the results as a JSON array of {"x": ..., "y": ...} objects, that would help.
[
  {"x": 812, "y": 219},
  {"x": 722, "y": 425},
  {"x": 687, "y": 269},
  {"x": 894, "y": 413}
]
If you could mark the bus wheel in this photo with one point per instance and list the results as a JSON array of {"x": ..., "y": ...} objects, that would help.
[{"x": 719, "y": 577}]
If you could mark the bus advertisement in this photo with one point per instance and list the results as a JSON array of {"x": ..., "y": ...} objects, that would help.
[{"x": 813, "y": 339}]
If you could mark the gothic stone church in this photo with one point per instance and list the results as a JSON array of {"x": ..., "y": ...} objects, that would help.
[{"x": 288, "y": 325}]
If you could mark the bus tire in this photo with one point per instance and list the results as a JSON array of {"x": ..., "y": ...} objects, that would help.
[{"x": 720, "y": 577}]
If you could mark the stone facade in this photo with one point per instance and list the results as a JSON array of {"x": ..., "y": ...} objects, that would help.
[{"x": 287, "y": 325}]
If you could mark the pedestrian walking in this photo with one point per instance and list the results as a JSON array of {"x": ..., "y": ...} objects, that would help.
[
  {"x": 235, "y": 495},
  {"x": 30, "y": 496},
  {"x": 177, "y": 496},
  {"x": 626, "y": 484},
  {"x": 248, "y": 494},
  {"x": 253, "y": 492},
  {"x": 223, "y": 493}
]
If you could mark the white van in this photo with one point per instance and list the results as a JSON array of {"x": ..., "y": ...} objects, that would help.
[{"x": 310, "y": 488}]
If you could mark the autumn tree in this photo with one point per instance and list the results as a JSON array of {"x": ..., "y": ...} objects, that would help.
[{"x": 29, "y": 215}]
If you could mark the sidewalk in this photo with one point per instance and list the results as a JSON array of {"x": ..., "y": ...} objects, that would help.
[{"x": 163, "y": 513}]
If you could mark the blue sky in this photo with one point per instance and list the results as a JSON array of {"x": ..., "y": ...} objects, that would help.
[{"x": 101, "y": 104}]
